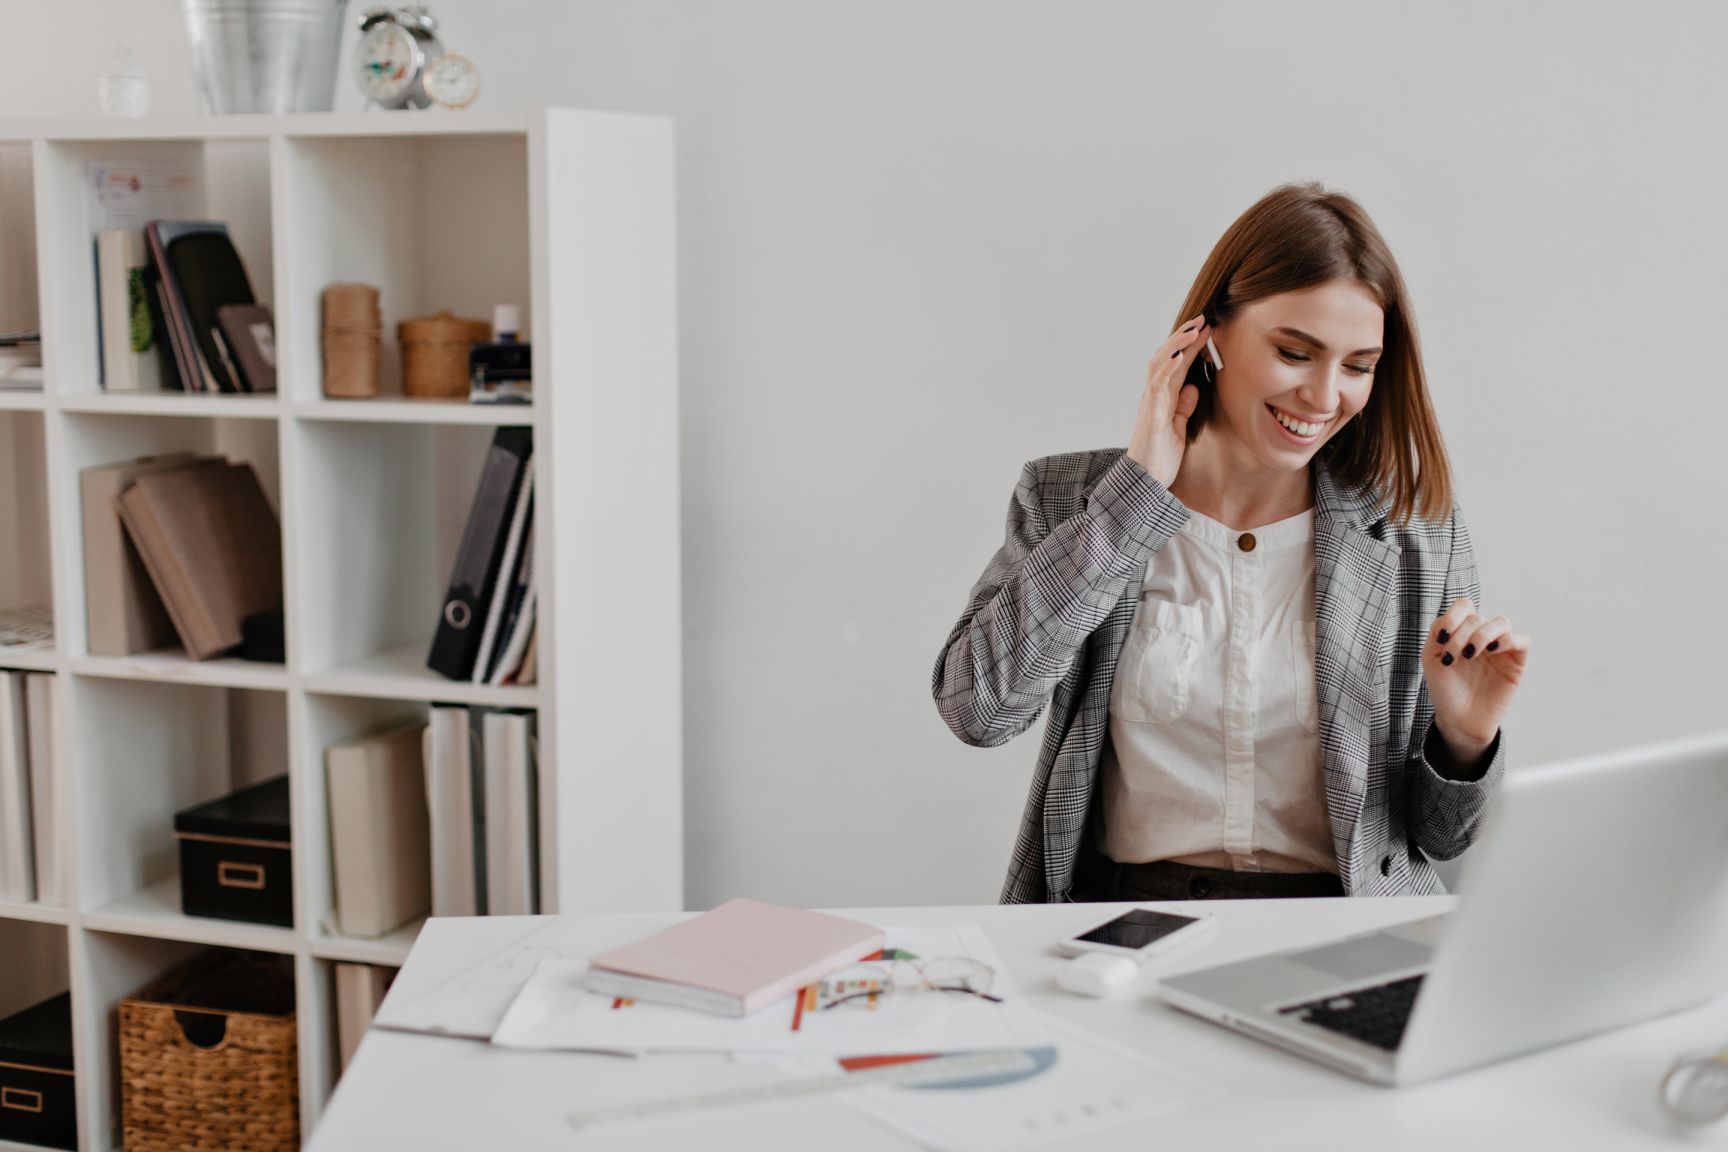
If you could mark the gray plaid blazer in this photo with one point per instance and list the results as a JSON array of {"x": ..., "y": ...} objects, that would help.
[{"x": 1048, "y": 619}]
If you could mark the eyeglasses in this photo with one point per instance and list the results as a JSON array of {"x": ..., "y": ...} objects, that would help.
[{"x": 866, "y": 983}]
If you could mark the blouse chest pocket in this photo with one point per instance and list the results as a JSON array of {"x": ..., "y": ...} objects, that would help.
[
  {"x": 1156, "y": 669},
  {"x": 1303, "y": 665}
]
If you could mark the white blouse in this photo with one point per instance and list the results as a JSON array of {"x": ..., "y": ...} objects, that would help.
[{"x": 1214, "y": 750}]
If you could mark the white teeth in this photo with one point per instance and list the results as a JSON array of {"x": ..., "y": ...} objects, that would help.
[{"x": 1296, "y": 426}]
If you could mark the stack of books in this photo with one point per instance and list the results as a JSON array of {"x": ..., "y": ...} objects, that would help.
[
  {"x": 181, "y": 546},
  {"x": 486, "y": 626},
  {"x": 482, "y": 790},
  {"x": 20, "y": 362},
  {"x": 440, "y": 817},
  {"x": 177, "y": 312}
]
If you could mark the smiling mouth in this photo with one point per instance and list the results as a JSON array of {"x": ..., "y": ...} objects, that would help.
[{"x": 1300, "y": 429}]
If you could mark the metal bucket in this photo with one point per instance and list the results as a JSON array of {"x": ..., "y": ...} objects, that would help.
[{"x": 265, "y": 55}]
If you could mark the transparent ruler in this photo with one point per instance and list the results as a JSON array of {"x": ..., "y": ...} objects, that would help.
[{"x": 937, "y": 1070}]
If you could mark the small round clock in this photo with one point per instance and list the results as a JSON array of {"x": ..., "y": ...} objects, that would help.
[
  {"x": 452, "y": 80},
  {"x": 390, "y": 62}
]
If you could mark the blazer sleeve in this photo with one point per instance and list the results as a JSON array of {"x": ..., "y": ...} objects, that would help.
[
  {"x": 1043, "y": 593},
  {"x": 1446, "y": 813}
]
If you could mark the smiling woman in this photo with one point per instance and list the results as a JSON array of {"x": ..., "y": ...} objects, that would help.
[{"x": 1256, "y": 627}]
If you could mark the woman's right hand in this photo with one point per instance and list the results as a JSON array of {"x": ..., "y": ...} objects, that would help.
[{"x": 1161, "y": 428}]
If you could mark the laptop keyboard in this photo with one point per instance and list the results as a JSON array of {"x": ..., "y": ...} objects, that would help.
[{"x": 1375, "y": 1015}]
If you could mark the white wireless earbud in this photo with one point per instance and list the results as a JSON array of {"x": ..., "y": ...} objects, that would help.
[{"x": 1217, "y": 360}]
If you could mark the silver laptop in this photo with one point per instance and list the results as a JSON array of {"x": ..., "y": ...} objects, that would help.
[{"x": 1597, "y": 897}]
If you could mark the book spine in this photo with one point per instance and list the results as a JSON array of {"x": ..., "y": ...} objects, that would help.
[
  {"x": 456, "y": 643},
  {"x": 451, "y": 810},
  {"x": 113, "y": 343},
  {"x": 186, "y": 375},
  {"x": 172, "y": 381},
  {"x": 360, "y": 990},
  {"x": 518, "y": 620},
  {"x": 47, "y": 798},
  {"x": 510, "y": 811},
  {"x": 602, "y": 982},
  {"x": 378, "y": 832},
  {"x": 350, "y": 812},
  {"x": 504, "y": 583},
  {"x": 17, "y": 857}
]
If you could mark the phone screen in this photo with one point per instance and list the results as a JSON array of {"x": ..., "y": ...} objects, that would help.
[{"x": 1136, "y": 929}]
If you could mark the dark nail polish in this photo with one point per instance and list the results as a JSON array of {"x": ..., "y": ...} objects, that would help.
[
  {"x": 1446, "y": 659},
  {"x": 1176, "y": 353},
  {"x": 1469, "y": 651},
  {"x": 1444, "y": 635},
  {"x": 1494, "y": 645}
]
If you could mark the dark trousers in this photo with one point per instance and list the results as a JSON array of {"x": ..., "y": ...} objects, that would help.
[{"x": 1099, "y": 878}]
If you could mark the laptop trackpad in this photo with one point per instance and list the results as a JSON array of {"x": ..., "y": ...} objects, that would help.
[{"x": 1364, "y": 956}]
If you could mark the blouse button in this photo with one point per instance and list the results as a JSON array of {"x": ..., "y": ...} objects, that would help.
[{"x": 1246, "y": 541}]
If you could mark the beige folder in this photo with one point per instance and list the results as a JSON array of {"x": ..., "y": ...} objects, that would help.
[
  {"x": 122, "y": 612},
  {"x": 379, "y": 832},
  {"x": 212, "y": 545},
  {"x": 360, "y": 988}
]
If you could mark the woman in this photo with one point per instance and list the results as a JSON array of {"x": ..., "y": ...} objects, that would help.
[{"x": 1256, "y": 627}]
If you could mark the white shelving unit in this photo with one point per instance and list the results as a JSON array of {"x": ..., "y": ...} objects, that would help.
[{"x": 569, "y": 213}]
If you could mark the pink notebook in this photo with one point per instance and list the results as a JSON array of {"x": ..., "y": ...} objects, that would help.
[{"x": 734, "y": 959}]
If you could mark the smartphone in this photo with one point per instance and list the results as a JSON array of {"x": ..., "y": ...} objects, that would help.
[{"x": 1138, "y": 934}]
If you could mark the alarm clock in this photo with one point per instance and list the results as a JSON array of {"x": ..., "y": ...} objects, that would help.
[
  {"x": 396, "y": 45},
  {"x": 451, "y": 80}
]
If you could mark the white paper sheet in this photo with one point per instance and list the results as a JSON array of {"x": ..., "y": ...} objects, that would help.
[
  {"x": 555, "y": 1010},
  {"x": 1088, "y": 1084},
  {"x": 471, "y": 1003},
  {"x": 131, "y": 193}
]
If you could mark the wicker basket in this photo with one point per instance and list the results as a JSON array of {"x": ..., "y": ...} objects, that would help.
[
  {"x": 435, "y": 353},
  {"x": 208, "y": 1057}
]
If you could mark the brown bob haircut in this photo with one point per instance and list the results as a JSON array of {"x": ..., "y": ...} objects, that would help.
[{"x": 1299, "y": 236}]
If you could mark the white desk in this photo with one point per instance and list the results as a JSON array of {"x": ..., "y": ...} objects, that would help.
[{"x": 409, "y": 1091}]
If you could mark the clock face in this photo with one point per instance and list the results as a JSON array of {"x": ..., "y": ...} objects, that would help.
[
  {"x": 388, "y": 60},
  {"x": 452, "y": 80}
]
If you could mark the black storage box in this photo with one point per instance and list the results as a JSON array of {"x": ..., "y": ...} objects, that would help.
[
  {"x": 236, "y": 862},
  {"x": 36, "y": 1102}
]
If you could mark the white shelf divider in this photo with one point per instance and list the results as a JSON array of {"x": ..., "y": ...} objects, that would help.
[
  {"x": 21, "y": 401},
  {"x": 173, "y": 404},
  {"x": 412, "y": 410},
  {"x": 400, "y": 673},
  {"x": 175, "y": 666},
  {"x": 155, "y": 912},
  {"x": 390, "y": 950},
  {"x": 37, "y": 913},
  {"x": 568, "y": 214},
  {"x": 29, "y": 660}
]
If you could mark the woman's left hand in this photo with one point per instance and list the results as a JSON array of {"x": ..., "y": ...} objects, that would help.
[{"x": 1472, "y": 667}]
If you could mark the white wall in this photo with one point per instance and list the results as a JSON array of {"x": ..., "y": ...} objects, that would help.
[{"x": 922, "y": 241}]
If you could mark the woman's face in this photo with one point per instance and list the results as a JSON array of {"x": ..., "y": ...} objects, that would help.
[{"x": 1297, "y": 367}]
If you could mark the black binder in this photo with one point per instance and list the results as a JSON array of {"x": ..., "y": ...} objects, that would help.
[
  {"x": 206, "y": 273},
  {"x": 473, "y": 578}
]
